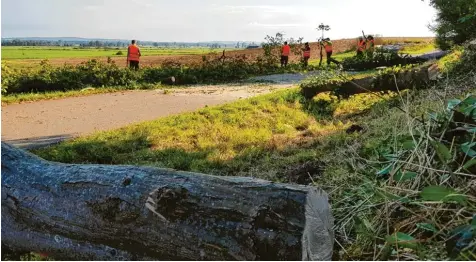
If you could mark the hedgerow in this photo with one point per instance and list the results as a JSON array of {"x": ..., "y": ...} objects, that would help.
[{"x": 97, "y": 74}]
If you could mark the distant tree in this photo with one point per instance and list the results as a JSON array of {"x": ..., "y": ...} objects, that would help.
[
  {"x": 322, "y": 27},
  {"x": 455, "y": 21},
  {"x": 273, "y": 44}
]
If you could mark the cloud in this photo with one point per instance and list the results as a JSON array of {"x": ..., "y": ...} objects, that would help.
[
  {"x": 275, "y": 25},
  {"x": 205, "y": 20},
  {"x": 239, "y": 9},
  {"x": 92, "y": 8}
]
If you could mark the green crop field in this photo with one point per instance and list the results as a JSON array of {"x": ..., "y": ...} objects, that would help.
[{"x": 48, "y": 52}]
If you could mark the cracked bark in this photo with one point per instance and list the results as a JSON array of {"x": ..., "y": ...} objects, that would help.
[{"x": 99, "y": 212}]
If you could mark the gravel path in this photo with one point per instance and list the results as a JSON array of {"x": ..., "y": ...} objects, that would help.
[{"x": 42, "y": 123}]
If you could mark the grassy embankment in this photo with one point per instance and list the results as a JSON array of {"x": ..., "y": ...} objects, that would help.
[{"x": 397, "y": 191}]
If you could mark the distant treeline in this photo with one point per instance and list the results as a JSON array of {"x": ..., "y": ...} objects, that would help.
[{"x": 106, "y": 43}]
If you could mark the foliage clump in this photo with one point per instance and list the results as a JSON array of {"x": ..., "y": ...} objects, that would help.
[
  {"x": 455, "y": 22},
  {"x": 380, "y": 57}
]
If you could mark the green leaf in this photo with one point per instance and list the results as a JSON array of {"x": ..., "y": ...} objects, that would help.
[
  {"x": 442, "y": 151},
  {"x": 468, "y": 106},
  {"x": 409, "y": 145},
  {"x": 434, "y": 193},
  {"x": 470, "y": 100},
  {"x": 402, "y": 240},
  {"x": 405, "y": 176},
  {"x": 386, "y": 170},
  {"x": 388, "y": 196},
  {"x": 453, "y": 103},
  {"x": 460, "y": 230},
  {"x": 391, "y": 157},
  {"x": 466, "y": 148},
  {"x": 470, "y": 163},
  {"x": 427, "y": 227},
  {"x": 440, "y": 193},
  {"x": 433, "y": 116},
  {"x": 466, "y": 18}
]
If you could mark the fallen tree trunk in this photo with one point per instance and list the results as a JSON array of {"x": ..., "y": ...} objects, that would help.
[
  {"x": 99, "y": 212},
  {"x": 419, "y": 77}
]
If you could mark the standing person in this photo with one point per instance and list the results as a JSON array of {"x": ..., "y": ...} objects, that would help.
[
  {"x": 370, "y": 44},
  {"x": 285, "y": 51},
  {"x": 133, "y": 55},
  {"x": 361, "y": 46},
  {"x": 328, "y": 47},
  {"x": 306, "y": 54}
]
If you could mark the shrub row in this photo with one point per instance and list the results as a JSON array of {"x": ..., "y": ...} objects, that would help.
[{"x": 97, "y": 74}]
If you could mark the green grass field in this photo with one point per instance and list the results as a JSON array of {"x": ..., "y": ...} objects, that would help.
[
  {"x": 15, "y": 53},
  {"x": 415, "y": 49}
]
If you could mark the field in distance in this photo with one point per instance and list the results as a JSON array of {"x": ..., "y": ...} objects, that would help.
[
  {"x": 28, "y": 57},
  {"x": 48, "y": 52}
]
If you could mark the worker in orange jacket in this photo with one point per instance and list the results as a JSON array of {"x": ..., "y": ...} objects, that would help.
[
  {"x": 370, "y": 44},
  {"x": 306, "y": 54},
  {"x": 361, "y": 46},
  {"x": 327, "y": 44},
  {"x": 133, "y": 55},
  {"x": 285, "y": 51}
]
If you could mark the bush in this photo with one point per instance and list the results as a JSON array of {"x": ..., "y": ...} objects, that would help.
[
  {"x": 380, "y": 57},
  {"x": 466, "y": 63},
  {"x": 455, "y": 22},
  {"x": 120, "y": 53},
  {"x": 48, "y": 78}
]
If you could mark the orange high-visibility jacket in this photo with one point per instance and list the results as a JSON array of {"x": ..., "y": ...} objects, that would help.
[
  {"x": 134, "y": 53},
  {"x": 361, "y": 45},
  {"x": 328, "y": 46},
  {"x": 307, "y": 53},
  {"x": 286, "y": 50}
]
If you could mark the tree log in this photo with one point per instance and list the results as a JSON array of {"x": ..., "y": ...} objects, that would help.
[
  {"x": 419, "y": 77},
  {"x": 101, "y": 212}
]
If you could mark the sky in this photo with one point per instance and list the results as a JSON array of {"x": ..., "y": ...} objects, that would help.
[{"x": 210, "y": 20}]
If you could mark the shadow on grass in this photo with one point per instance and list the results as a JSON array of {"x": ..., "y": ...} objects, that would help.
[{"x": 290, "y": 164}]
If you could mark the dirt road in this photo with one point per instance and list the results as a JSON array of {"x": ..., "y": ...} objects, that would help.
[{"x": 46, "y": 122}]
